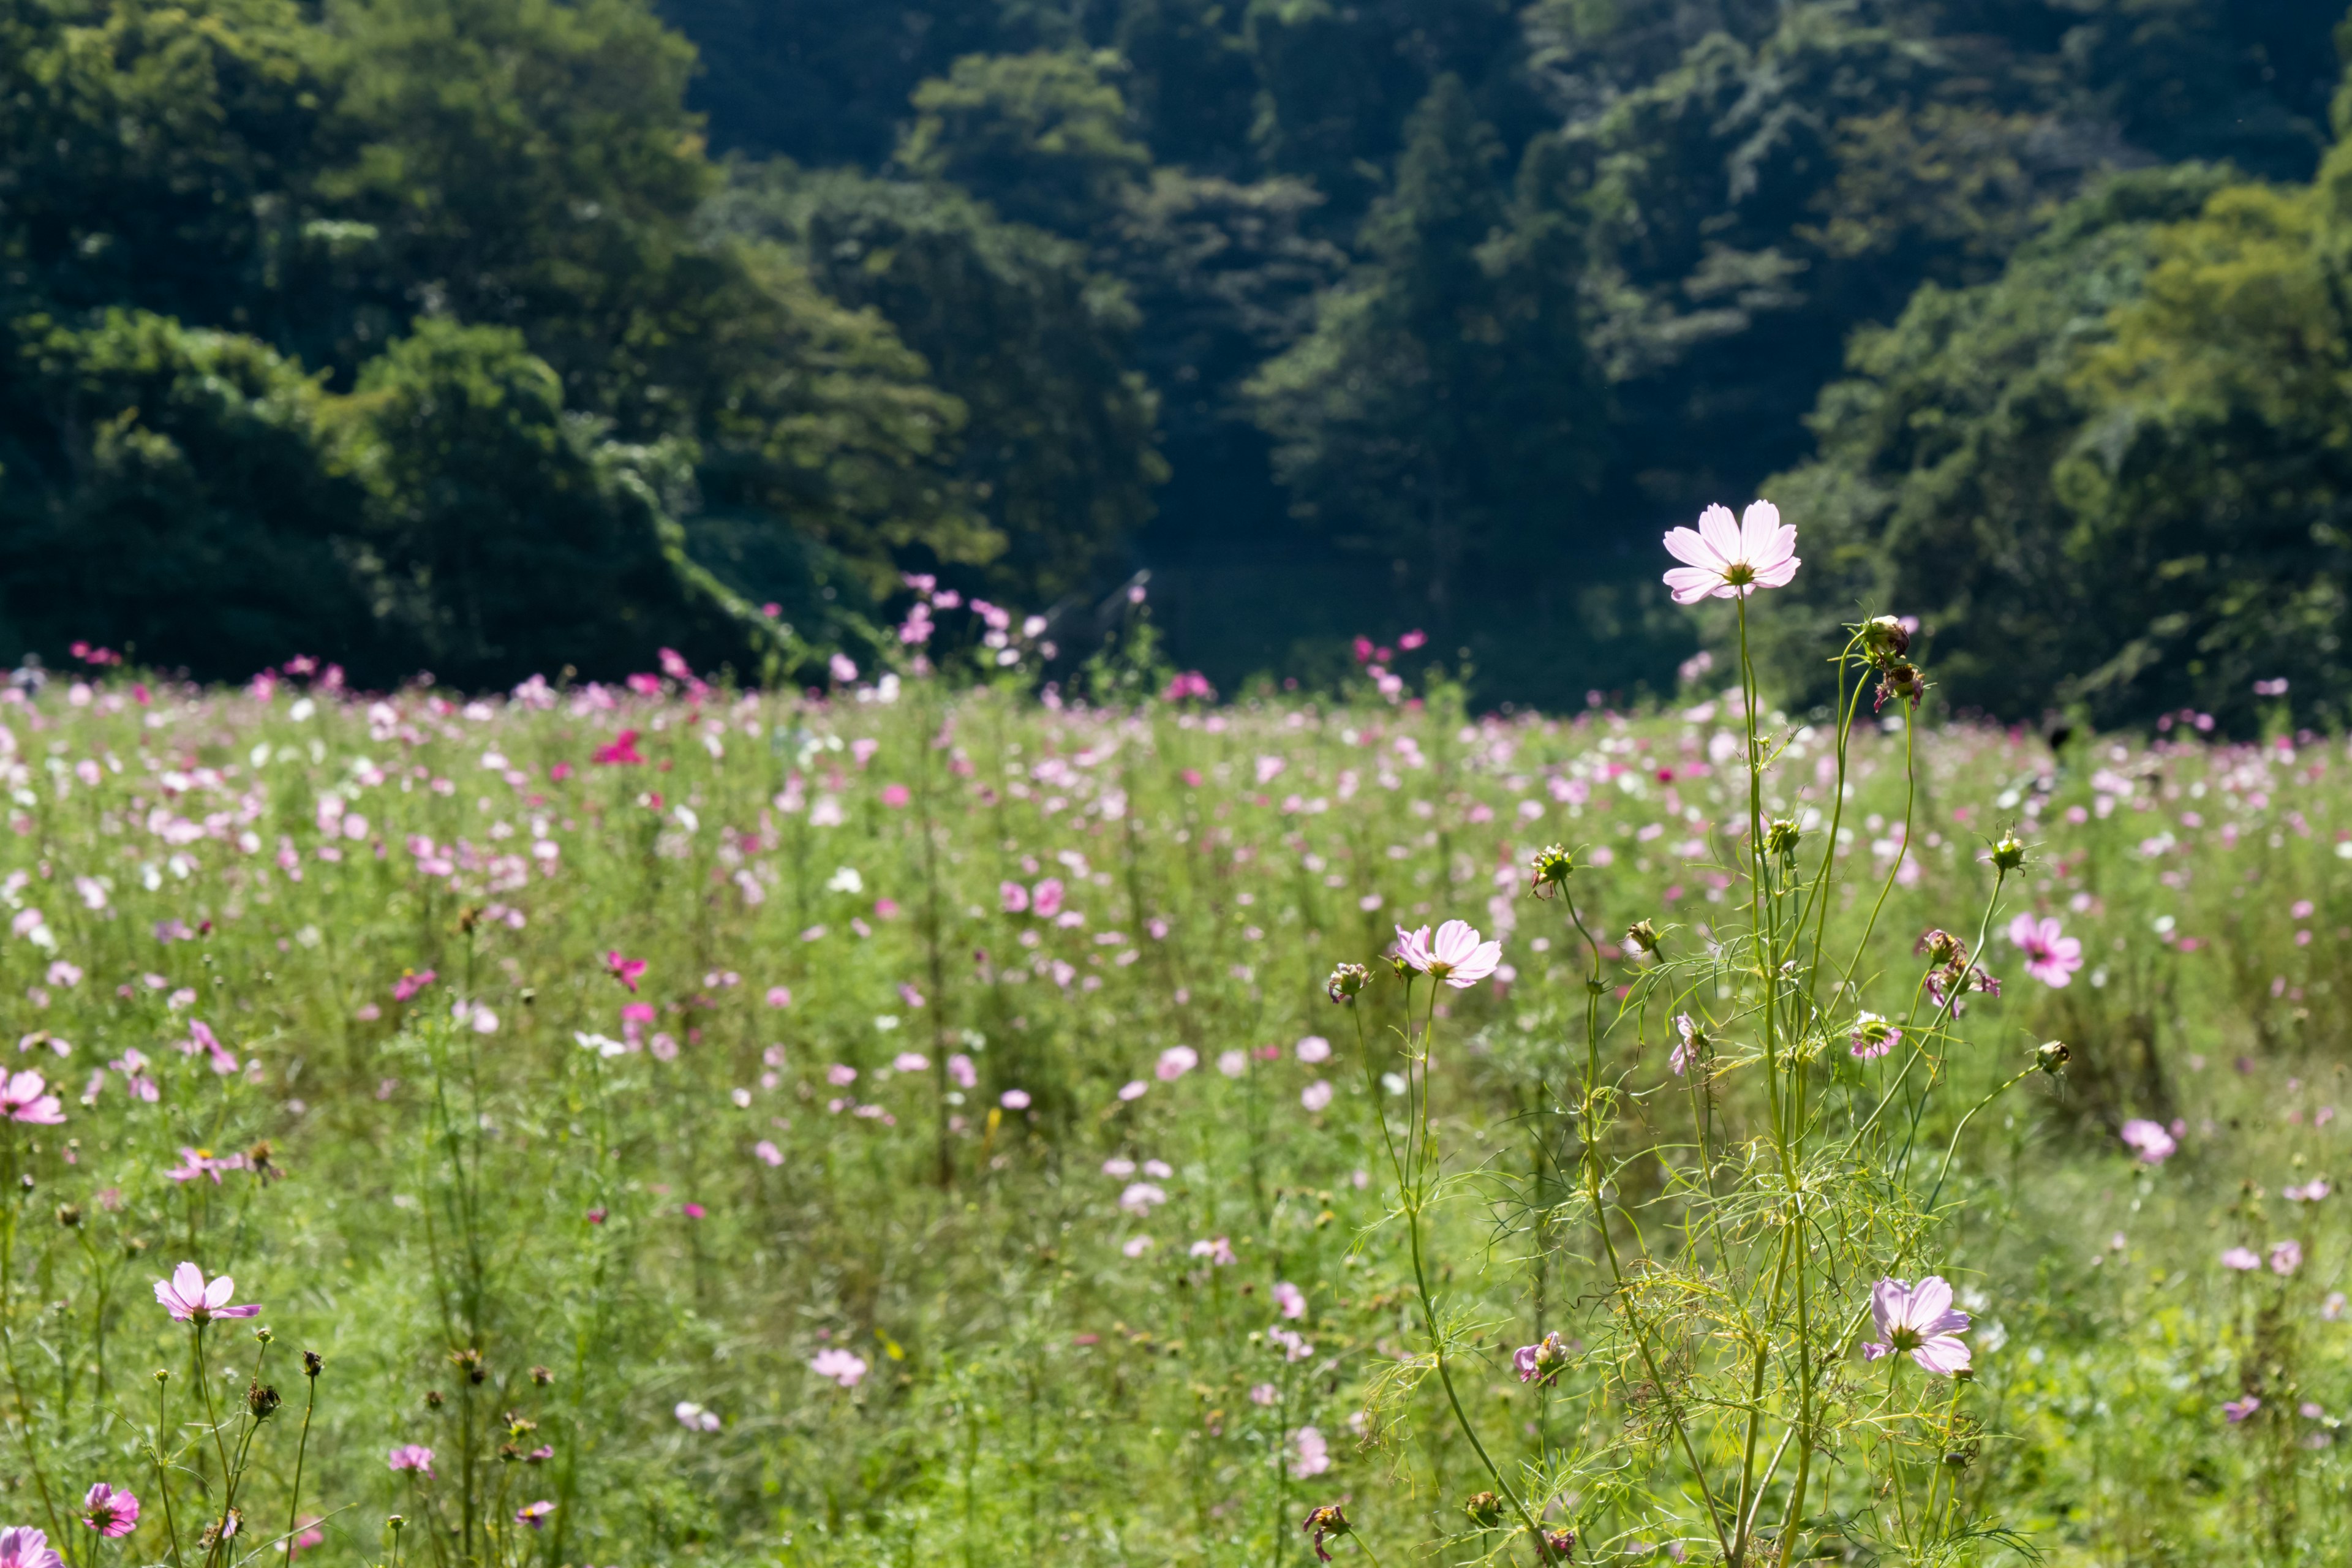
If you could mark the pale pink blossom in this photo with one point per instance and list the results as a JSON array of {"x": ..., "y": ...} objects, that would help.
[
  {"x": 2237, "y": 1410},
  {"x": 1686, "y": 1050},
  {"x": 1919, "y": 1320},
  {"x": 1175, "y": 1062},
  {"x": 190, "y": 1299},
  {"x": 2149, "y": 1140},
  {"x": 695, "y": 1418},
  {"x": 1015, "y": 1099},
  {"x": 2286, "y": 1257},
  {"x": 1316, "y": 1096},
  {"x": 1290, "y": 1298},
  {"x": 1047, "y": 898},
  {"x": 1013, "y": 896},
  {"x": 1314, "y": 1048},
  {"x": 24, "y": 1097},
  {"x": 1726, "y": 560},
  {"x": 1309, "y": 1454},
  {"x": 1218, "y": 1251},
  {"x": 1455, "y": 954},
  {"x": 845, "y": 1367},
  {"x": 22, "y": 1546},
  {"x": 411, "y": 1457},
  {"x": 2241, "y": 1259}
]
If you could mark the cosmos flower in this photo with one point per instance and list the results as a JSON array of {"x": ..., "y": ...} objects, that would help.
[
  {"x": 1544, "y": 1360},
  {"x": 2237, "y": 1410},
  {"x": 1694, "y": 1040},
  {"x": 2286, "y": 1257},
  {"x": 1727, "y": 559},
  {"x": 1290, "y": 1298},
  {"x": 1874, "y": 1036},
  {"x": 109, "y": 1512},
  {"x": 2050, "y": 956},
  {"x": 2149, "y": 1140},
  {"x": 2241, "y": 1259},
  {"x": 22, "y": 1546},
  {"x": 534, "y": 1514},
  {"x": 1310, "y": 1455},
  {"x": 1919, "y": 1320},
  {"x": 411, "y": 1457},
  {"x": 624, "y": 969},
  {"x": 695, "y": 1418},
  {"x": 845, "y": 1367},
  {"x": 190, "y": 1299},
  {"x": 1455, "y": 954},
  {"x": 24, "y": 1097}
]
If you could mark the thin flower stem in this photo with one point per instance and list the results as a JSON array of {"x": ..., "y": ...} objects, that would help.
[{"x": 302, "y": 1449}]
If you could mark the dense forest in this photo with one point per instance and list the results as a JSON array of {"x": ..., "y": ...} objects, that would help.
[{"x": 494, "y": 336}]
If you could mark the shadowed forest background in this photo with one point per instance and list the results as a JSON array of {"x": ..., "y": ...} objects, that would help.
[{"x": 496, "y": 336}]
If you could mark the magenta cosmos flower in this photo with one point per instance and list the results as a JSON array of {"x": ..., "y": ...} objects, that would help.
[
  {"x": 110, "y": 1511},
  {"x": 1919, "y": 1320},
  {"x": 22, "y": 1546},
  {"x": 1455, "y": 954},
  {"x": 24, "y": 1097},
  {"x": 534, "y": 1514},
  {"x": 1727, "y": 559},
  {"x": 411, "y": 1457},
  {"x": 2050, "y": 956},
  {"x": 191, "y": 1300}
]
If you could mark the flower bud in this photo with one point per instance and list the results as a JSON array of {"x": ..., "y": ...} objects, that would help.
[
  {"x": 262, "y": 1400},
  {"x": 1551, "y": 866},
  {"x": 2052, "y": 1056},
  {"x": 1780, "y": 837},
  {"x": 2008, "y": 854},
  {"x": 69, "y": 1216},
  {"x": 542, "y": 1376},
  {"x": 1486, "y": 1510},
  {"x": 1347, "y": 981},
  {"x": 312, "y": 1364},
  {"x": 1642, "y": 936}
]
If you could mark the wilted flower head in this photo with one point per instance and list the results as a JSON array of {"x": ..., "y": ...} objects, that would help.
[
  {"x": 1552, "y": 868},
  {"x": 1484, "y": 1511},
  {"x": 1874, "y": 1036},
  {"x": 1694, "y": 1041},
  {"x": 1347, "y": 981},
  {"x": 1885, "y": 638},
  {"x": 1920, "y": 1320},
  {"x": 1326, "y": 1521},
  {"x": 1900, "y": 682},
  {"x": 1727, "y": 559},
  {"x": 1941, "y": 947},
  {"x": 190, "y": 1299},
  {"x": 1542, "y": 1362},
  {"x": 108, "y": 1510},
  {"x": 1641, "y": 936}
]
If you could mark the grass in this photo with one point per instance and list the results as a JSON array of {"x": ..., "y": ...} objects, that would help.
[{"x": 545, "y": 1200}]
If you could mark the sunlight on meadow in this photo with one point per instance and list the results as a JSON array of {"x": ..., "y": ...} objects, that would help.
[{"x": 905, "y": 1123}]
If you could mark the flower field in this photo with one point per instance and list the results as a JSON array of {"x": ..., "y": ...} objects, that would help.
[{"x": 906, "y": 1124}]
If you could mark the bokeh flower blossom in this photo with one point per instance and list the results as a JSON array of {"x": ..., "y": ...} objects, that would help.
[
  {"x": 845, "y": 1367},
  {"x": 624, "y": 969},
  {"x": 1310, "y": 1455},
  {"x": 1290, "y": 1298},
  {"x": 24, "y": 1097},
  {"x": 534, "y": 1514},
  {"x": 695, "y": 1418},
  {"x": 2237, "y": 1410},
  {"x": 414, "y": 1457},
  {"x": 1726, "y": 560},
  {"x": 2241, "y": 1258},
  {"x": 190, "y": 1299},
  {"x": 1920, "y": 1320},
  {"x": 2149, "y": 1140},
  {"x": 2050, "y": 956},
  {"x": 2286, "y": 1257},
  {"x": 22, "y": 1546}
]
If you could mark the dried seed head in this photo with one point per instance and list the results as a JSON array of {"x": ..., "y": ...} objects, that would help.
[
  {"x": 1484, "y": 1509},
  {"x": 2052, "y": 1056}
]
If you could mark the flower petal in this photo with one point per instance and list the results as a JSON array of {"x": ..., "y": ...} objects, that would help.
[
  {"x": 1943, "y": 1356},
  {"x": 1691, "y": 547},
  {"x": 1692, "y": 584},
  {"x": 1721, "y": 534},
  {"x": 1930, "y": 1299},
  {"x": 1758, "y": 527}
]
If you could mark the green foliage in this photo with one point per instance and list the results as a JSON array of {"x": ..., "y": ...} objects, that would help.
[
  {"x": 1040, "y": 137},
  {"x": 177, "y": 490}
]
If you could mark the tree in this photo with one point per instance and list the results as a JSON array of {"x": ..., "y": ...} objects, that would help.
[
  {"x": 1043, "y": 138},
  {"x": 1443, "y": 413}
]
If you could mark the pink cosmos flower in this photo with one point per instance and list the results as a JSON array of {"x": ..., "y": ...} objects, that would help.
[
  {"x": 845, "y": 1367},
  {"x": 22, "y": 1546},
  {"x": 1316, "y": 1096},
  {"x": 411, "y": 1457},
  {"x": 1919, "y": 1320},
  {"x": 534, "y": 1514},
  {"x": 2241, "y": 1258},
  {"x": 1047, "y": 898},
  {"x": 1013, "y": 896},
  {"x": 769, "y": 1154},
  {"x": 2050, "y": 956},
  {"x": 1219, "y": 1251},
  {"x": 1727, "y": 559},
  {"x": 961, "y": 1069},
  {"x": 1290, "y": 1298},
  {"x": 695, "y": 1418},
  {"x": 1141, "y": 1196},
  {"x": 624, "y": 969},
  {"x": 409, "y": 986},
  {"x": 1454, "y": 955},
  {"x": 195, "y": 1163},
  {"x": 1686, "y": 1052},
  {"x": 24, "y": 1097},
  {"x": 623, "y": 751},
  {"x": 1314, "y": 1048},
  {"x": 1263, "y": 1393},
  {"x": 1874, "y": 1036},
  {"x": 1310, "y": 1455},
  {"x": 1015, "y": 1099},
  {"x": 109, "y": 1512},
  {"x": 191, "y": 1300},
  {"x": 779, "y": 996},
  {"x": 2149, "y": 1139},
  {"x": 1175, "y": 1062},
  {"x": 2237, "y": 1410},
  {"x": 2286, "y": 1257}
]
